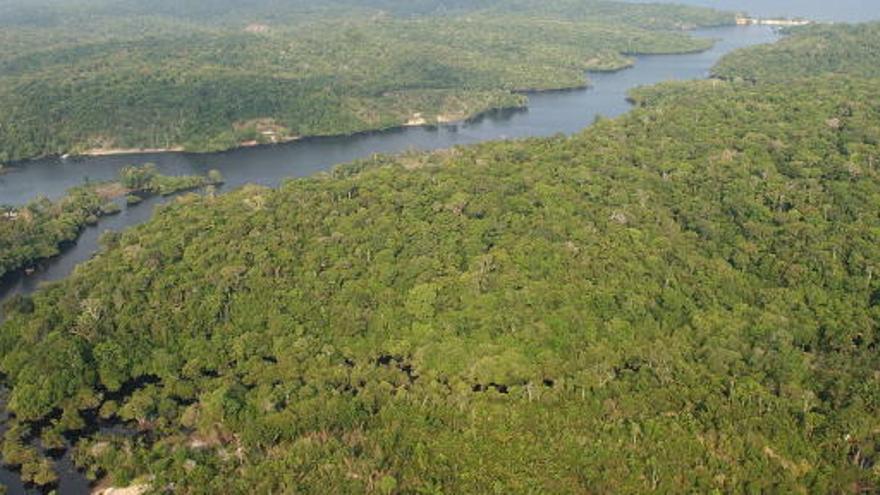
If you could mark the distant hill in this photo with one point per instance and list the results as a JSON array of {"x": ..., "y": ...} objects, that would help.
[{"x": 83, "y": 76}]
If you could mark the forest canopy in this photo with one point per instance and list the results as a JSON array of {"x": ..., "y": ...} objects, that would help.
[
  {"x": 108, "y": 74},
  {"x": 810, "y": 50},
  {"x": 41, "y": 228},
  {"x": 683, "y": 299}
]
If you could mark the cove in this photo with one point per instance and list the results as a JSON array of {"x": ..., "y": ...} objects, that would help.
[{"x": 548, "y": 114}]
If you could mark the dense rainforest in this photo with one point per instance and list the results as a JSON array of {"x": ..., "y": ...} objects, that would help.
[
  {"x": 683, "y": 299},
  {"x": 39, "y": 230},
  {"x": 202, "y": 76}
]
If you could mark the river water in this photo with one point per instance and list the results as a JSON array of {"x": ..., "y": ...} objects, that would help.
[
  {"x": 548, "y": 114},
  {"x": 817, "y": 10}
]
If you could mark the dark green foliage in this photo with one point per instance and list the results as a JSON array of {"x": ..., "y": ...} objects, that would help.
[
  {"x": 146, "y": 179},
  {"x": 16, "y": 452},
  {"x": 681, "y": 300},
  {"x": 107, "y": 75},
  {"x": 38, "y": 230}
]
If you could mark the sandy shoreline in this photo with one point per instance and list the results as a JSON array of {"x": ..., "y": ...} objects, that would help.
[
  {"x": 442, "y": 119},
  {"x": 124, "y": 151},
  {"x": 96, "y": 152}
]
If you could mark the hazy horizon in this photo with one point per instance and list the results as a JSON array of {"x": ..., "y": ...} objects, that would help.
[{"x": 820, "y": 10}]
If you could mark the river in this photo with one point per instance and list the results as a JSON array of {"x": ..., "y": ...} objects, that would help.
[
  {"x": 817, "y": 10},
  {"x": 548, "y": 114}
]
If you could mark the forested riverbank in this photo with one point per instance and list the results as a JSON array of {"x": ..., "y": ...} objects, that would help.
[
  {"x": 680, "y": 299},
  {"x": 40, "y": 229},
  {"x": 95, "y": 78},
  {"x": 849, "y": 49}
]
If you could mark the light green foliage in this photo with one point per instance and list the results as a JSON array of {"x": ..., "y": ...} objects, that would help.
[
  {"x": 682, "y": 300},
  {"x": 211, "y": 76}
]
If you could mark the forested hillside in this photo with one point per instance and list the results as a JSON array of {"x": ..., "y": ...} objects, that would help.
[
  {"x": 684, "y": 299},
  {"x": 81, "y": 76},
  {"x": 808, "y": 51}
]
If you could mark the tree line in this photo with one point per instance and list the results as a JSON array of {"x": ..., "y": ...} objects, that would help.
[
  {"x": 40, "y": 229},
  {"x": 198, "y": 75}
]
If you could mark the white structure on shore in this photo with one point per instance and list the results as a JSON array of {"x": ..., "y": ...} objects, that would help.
[{"x": 752, "y": 21}]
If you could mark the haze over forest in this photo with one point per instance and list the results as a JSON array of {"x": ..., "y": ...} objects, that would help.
[{"x": 818, "y": 10}]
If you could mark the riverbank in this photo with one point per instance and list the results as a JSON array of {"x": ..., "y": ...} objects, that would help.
[
  {"x": 97, "y": 152},
  {"x": 417, "y": 120},
  {"x": 601, "y": 64},
  {"x": 40, "y": 229},
  {"x": 549, "y": 113},
  {"x": 544, "y": 112},
  {"x": 123, "y": 151}
]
